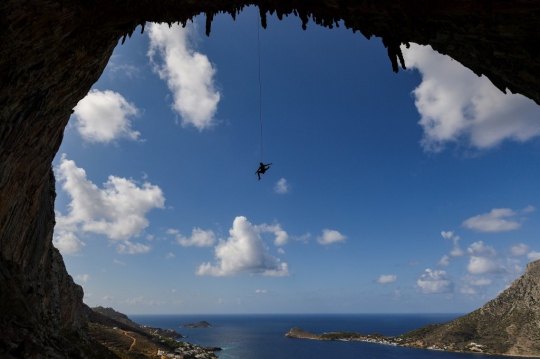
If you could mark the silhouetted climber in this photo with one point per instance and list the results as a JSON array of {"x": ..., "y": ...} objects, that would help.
[{"x": 262, "y": 169}]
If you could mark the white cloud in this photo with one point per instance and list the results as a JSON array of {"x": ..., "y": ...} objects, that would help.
[
  {"x": 281, "y": 251},
  {"x": 282, "y": 186},
  {"x": 444, "y": 261},
  {"x": 457, "y": 106},
  {"x": 483, "y": 265},
  {"x": 199, "y": 238},
  {"x": 172, "y": 231},
  {"x": 262, "y": 291},
  {"x": 473, "y": 285},
  {"x": 169, "y": 255},
  {"x": 116, "y": 261},
  {"x": 331, "y": 236},
  {"x": 520, "y": 249},
  {"x": 103, "y": 116},
  {"x": 243, "y": 252},
  {"x": 483, "y": 259},
  {"x": 455, "y": 252},
  {"x": 67, "y": 242},
  {"x": 529, "y": 209},
  {"x": 282, "y": 237},
  {"x": 189, "y": 74},
  {"x": 386, "y": 278},
  {"x": 132, "y": 248},
  {"x": 117, "y": 211},
  {"x": 303, "y": 238},
  {"x": 107, "y": 298},
  {"x": 431, "y": 282},
  {"x": 447, "y": 235},
  {"x": 493, "y": 221},
  {"x": 480, "y": 250},
  {"x": 82, "y": 278},
  {"x": 533, "y": 255}
]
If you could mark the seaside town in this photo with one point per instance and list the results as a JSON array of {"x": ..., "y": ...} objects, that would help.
[{"x": 188, "y": 351}]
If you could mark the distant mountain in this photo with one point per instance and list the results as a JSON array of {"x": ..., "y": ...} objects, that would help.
[{"x": 508, "y": 324}]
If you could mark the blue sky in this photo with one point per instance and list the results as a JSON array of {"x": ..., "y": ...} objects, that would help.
[{"x": 408, "y": 192}]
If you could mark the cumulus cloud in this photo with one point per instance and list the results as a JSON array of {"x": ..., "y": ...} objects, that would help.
[
  {"x": 282, "y": 186},
  {"x": 386, "y": 278},
  {"x": 169, "y": 255},
  {"x": 67, "y": 242},
  {"x": 444, "y": 261},
  {"x": 447, "y": 235},
  {"x": 483, "y": 265},
  {"x": 431, "y": 282},
  {"x": 483, "y": 259},
  {"x": 456, "y": 106},
  {"x": 282, "y": 237},
  {"x": 199, "y": 238},
  {"x": 455, "y": 252},
  {"x": 117, "y": 211},
  {"x": 243, "y": 252},
  {"x": 104, "y": 116},
  {"x": 533, "y": 255},
  {"x": 188, "y": 73},
  {"x": 498, "y": 220},
  {"x": 482, "y": 250},
  {"x": 520, "y": 249},
  {"x": 330, "y": 236}
]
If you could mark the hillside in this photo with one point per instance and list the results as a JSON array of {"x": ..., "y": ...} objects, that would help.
[
  {"x": 508, "y": 324},
  {"x": 112, "y": 318},
  {"x": 126, "y": 339}
]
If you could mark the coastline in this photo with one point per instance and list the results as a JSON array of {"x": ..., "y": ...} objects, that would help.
[{"x": 396, "y": 341}]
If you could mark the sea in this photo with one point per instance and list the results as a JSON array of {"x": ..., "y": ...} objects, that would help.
[{"x": 263, "y": 336}]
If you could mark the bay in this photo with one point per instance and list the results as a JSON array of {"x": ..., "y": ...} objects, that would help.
[{"x": 263, "y": 336}]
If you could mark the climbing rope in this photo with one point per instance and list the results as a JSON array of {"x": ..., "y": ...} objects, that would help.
[{"x": 260, "y": 86}]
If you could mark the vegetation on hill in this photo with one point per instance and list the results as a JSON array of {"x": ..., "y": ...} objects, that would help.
[{"x": 508, "y": 324}]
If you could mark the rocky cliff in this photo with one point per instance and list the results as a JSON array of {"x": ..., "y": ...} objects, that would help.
[
  {"x": 508, "y": 324},
  {"x": 53, "y": 51}
]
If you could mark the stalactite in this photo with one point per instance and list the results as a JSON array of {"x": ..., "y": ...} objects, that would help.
[
  {"x": 209, "y": 18},
  {"x": 262, "y": 12}
]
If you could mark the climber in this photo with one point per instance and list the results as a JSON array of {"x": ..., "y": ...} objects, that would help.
[{"x": 262, "y": 169}]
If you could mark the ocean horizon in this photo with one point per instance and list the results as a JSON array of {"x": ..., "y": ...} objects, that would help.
[{"x": 262, "y": 336}]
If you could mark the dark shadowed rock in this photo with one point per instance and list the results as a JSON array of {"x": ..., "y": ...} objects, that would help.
[{"x": 52, "y": 52}]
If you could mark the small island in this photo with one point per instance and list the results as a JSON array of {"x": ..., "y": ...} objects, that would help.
[{"x": 203, "y": 324}]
